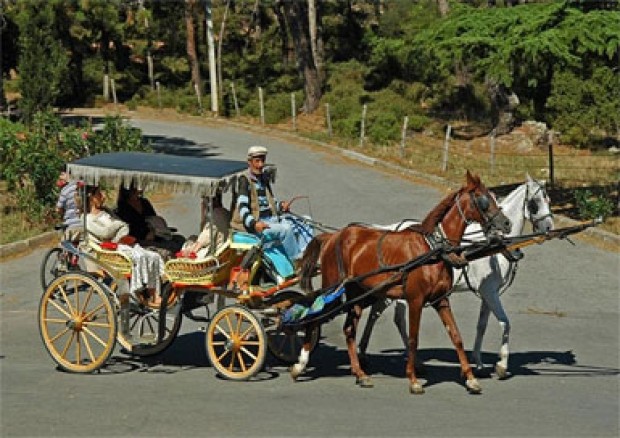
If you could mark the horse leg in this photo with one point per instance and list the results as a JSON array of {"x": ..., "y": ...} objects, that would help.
[
  {"x": 400, "y": 320},
  {"x": 376, "y": 310},
  {"x": 501, "y": 367},
  {"x": 350, "y": 329},
  {"x": 445, "y": 313},
  {"x": 415, "y": 315},
  {"x": 481, "y": 327},
  {"x": 304, "y": 356}
]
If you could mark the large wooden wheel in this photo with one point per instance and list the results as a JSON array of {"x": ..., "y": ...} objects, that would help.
[
  {"x": 236, "y": 343},
  {"x": 141, "y": 339},
  {"x": 77, "y": 322},
  {"x": 284, "y": 343}
]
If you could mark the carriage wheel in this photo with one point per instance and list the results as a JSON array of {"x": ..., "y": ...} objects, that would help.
[
  {"x": 77, "y": 322},
  {"x": 285, "y": 344},
  {"x": 236, "y": 343},
  {"x": 55, "y": 263},
  {"x": 144, "y": 326}
]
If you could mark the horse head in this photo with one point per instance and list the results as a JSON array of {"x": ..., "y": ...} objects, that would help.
[
  {"x": 537, "y": 206},
  {"x": 481, "y": 207}
]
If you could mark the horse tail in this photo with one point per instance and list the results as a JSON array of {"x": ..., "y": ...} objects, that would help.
[{"x": 309, "y": 261}]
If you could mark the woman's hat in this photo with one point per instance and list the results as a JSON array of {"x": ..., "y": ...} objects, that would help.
[{"x": 257, "y": 151}]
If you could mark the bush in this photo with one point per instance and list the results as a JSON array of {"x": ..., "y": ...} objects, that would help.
[
  {"x": 31, "y": 160},
  {"x": 591, "y": 206}
]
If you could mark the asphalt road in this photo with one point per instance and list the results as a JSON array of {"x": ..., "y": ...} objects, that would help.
[{"x": 564, "y": 310}]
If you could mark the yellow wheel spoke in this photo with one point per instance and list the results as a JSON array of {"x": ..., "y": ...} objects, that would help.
[
  {"x": 60, "y": 309},
  {"x": 250, "y": 343},
  {"x": 245, "y": 333},
  {"x": 89, "y": 349},
  {"x": 88, "y": 297},
  {"x": 90, "y": 314},
  {"x": 78, "y": 349},
  {"x": 232, "y": 363},
  {"x": 221, "y": 330},
  {"x": 55, "y": 320},
  {"x": 52, "y": 340},
  {"x": 239, "y": 320},
  {"x": 96, "y": 324},
  {"x": 241, "y": 362},
  {"x": 221, "y": 356},
  {"x": 64, "y": 295},
  {"x": 68, "y": 344},
  {"x": 95, "y": 337},
  {"x": 230, "y": 325},
  {"x": 248, "y": 352},
  {"x": 218, "y": 343}
]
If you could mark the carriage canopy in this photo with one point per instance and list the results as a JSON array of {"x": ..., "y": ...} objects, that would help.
[{"x": 156, "y": 171}]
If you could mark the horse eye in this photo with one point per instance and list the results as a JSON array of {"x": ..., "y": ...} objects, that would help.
[
  {"x": 532, "y": 206},
  {"x": 483, "y": 203}
]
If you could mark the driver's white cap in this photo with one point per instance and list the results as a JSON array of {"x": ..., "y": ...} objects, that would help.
[{"x": 257, "y": 151}]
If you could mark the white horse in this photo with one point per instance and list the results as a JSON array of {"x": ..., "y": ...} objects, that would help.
[{"x": 488, "y": 277}]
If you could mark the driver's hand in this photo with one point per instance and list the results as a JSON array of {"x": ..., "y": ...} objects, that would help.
[
  {"x": 261, "y": 226},
  {"x": 285, "y": 206}
]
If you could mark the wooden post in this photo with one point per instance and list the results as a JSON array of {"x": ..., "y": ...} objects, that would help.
[
  {"x": 363, "y": 127},
  {"x": 234, "y": 95},
  {"x": 551, "y": 170},
  {"x": 446, "y": 147},
  {"x": 262, "y": 108},
  {"x": 293, "y": 111},
  {"x": 158, "y": 94},
  {"x": 492, "y": 141},
  {"x": 197, "y": 90},
  {"x": 114, "y": 92},
  {"x": 329, "y": 120},
  {"x": 106, "y": 87},
  {"x": 403, "y": 137}
]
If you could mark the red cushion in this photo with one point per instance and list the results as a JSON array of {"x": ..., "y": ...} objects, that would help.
[{"x": 111, "y": 246}]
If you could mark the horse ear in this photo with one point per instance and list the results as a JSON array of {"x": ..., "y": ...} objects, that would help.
[
  {"x": 469, "y": 178},
  {"x": 528, "y": 177}
]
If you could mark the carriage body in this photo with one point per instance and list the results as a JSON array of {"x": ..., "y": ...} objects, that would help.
[{"x": 83, "y": 314}]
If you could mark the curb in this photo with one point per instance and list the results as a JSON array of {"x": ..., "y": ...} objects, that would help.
[{"x": 23, "y": 247}]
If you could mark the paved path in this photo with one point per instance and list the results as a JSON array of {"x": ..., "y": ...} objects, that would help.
[{"x": 564, "y": 311}]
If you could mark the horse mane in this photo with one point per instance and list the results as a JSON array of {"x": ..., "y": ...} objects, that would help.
[{"x": 436, "y": 215}]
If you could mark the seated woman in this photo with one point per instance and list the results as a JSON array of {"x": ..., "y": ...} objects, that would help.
[
  {"x": 148, "y": 266},
  {"x": 145, "y": 225},
  {"x": 220, "y": 220}
]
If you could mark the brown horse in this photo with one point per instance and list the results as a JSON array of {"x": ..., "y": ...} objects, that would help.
[{"x": 355, "y": 252}]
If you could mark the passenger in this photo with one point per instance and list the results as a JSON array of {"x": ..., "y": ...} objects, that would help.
[
  {"x": 257, "y": 210},
  {"x": 148, "y": 266},
  {"x": 67, "y": 207},
  {"x": 151, "y": 230},
  {"x": 220, "y": 220}
]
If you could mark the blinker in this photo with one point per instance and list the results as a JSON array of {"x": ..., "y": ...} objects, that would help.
[{"x": 483, "y": 202}]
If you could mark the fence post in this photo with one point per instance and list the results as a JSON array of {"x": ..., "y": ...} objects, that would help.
[
  {"x": 329, "y": 120},
  {"x": 106, "y": 87},
  {"x": 551, "y": 170},
  {"x": 293, "y": 111},
  {"x": 157, "y": 85},
  {"x": 197, "y": 90},
  {"x": 492, "y": 140},
  {"x": 114, "y": 92},
  {"x": 363, "y": 127},
  {"x": 403, "y": 137},
  {"x": 234, "y": 94},
  {"x": 262, "y": 108},
  {"x": 446, "y": 147}
]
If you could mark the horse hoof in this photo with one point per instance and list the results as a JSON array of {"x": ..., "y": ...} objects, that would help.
[
  {"x": 295, "y": 372},
  {"x": 364, "y": 382},
  {"x": 473, "y": 386},
  {"x": 416, "y": 388},
  {"x": 501, "y": 371}
]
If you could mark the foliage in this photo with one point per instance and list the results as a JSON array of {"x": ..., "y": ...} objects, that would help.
[
  {"x": 591, "y": 207},
  {"x": 582, "y": 109},
  {"x": 39, "y": 81},
  {"x": 32, "y": 159}
]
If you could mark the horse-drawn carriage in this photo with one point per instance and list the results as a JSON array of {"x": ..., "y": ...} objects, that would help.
[{"x": 84, "y": 313}]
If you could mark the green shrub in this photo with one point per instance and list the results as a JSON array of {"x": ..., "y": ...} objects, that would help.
[{"x": 591, "y": 206}]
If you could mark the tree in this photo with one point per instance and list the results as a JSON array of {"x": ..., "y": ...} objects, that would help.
[
  {"x": 42, "y": 63},
  {"x": 191, "y": 44},
  {"x": 296, "y": 14}
]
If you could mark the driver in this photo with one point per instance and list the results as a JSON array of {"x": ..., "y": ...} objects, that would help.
[{"x": 257, "y": 210}]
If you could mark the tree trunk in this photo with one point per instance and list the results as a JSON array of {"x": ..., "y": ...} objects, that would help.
[
  {"x": 219, "y": 49},
  {"x": 316, "y": 41},
  {"x": 297, "y": 17},
  {"x": 286, "y": 49},
  {"x": 191, "y": 44},
  {"x": 503, "y": 104},
  {"x": 444, "y": 7}
]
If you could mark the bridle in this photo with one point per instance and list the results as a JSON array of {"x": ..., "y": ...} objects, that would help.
[
  {"x": 482, "y": 205},
  {"x": 530, "y": 204}
]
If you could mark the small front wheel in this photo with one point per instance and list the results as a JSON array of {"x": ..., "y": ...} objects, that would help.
[
  {"x": 236, "y": 343},
  {"x": 77, "y": 322}
]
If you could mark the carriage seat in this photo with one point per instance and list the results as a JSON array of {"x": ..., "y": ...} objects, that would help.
[
  {"x": 272, "y": 250},
  {"x": 109, "y": 256}
]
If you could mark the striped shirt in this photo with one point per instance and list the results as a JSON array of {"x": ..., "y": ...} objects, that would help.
[
  {"x": 243, "y": 200},
  {"x": 66, "y": 202}
]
